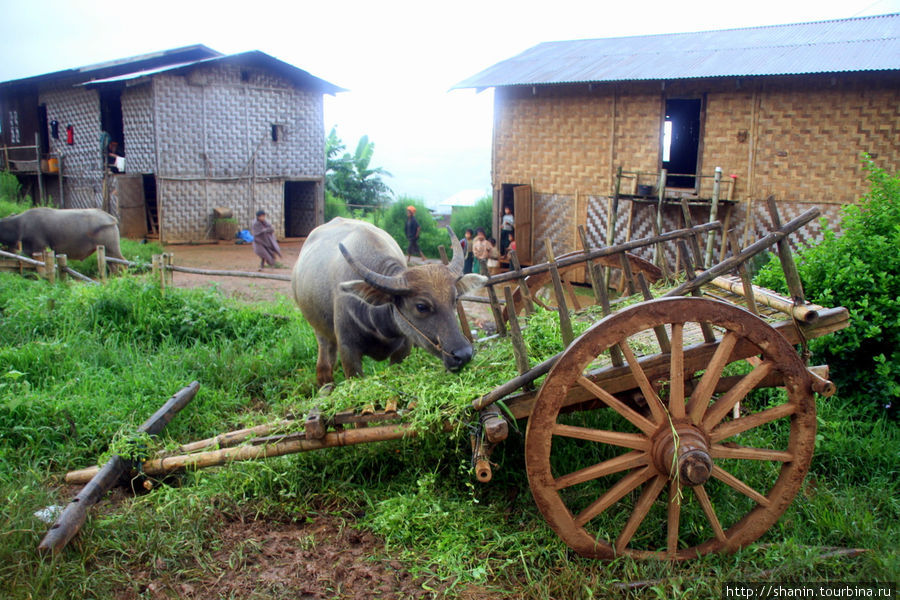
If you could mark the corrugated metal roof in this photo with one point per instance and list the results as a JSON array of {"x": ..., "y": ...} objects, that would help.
[
  {"x": 858, "y": 44},
  {"x": 298, "y": 76}
]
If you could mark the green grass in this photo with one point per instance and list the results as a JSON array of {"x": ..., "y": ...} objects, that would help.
[{"x": 81, "y": 366}]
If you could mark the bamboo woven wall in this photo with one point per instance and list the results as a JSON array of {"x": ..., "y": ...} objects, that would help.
[{"x": 799, "y": 138}]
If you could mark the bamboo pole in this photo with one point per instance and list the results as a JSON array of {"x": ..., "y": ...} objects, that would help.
[
  {"x": 744, "y": 275},
  {"x": 220, "y": 273},
  {"x": 519, "y": 350},
  {"x": 297, "y": 443},
  {"x": 792, "y": 277},
  {"x": 523, "y": 289},
  {"x": 72, "y": 518},
  {"x": 713, "y": 212},
  {"x": 101, "y": 263},
  {"x": 807, "y": 313}
]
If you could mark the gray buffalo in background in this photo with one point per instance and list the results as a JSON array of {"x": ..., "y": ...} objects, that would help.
[
  {"x": 75, "y": 232},
  {"x": 353, "y": 286}
]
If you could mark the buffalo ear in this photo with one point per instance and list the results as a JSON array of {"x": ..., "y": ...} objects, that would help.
[
  {"x": 365, "y": 292},
  {"x": 469, "y": 282}
]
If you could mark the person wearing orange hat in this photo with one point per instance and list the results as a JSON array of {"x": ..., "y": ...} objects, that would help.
[{"x": 412, "y": 234}]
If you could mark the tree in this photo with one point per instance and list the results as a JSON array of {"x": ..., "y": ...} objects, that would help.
[
  {"x": 351, "y": 178},
  {"x": 473, "y": 217}
]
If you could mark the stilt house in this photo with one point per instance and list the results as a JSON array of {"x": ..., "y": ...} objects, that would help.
[
  {"x": 198, "y": 131},
  {"x": 629, "y": 126}
]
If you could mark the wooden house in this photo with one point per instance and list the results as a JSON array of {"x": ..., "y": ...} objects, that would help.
[
  {"x": 198, "y": 131},
  {"x": 783, "y": 110}
]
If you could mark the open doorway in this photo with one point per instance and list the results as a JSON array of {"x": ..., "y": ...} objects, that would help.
[
  {"x": 151, "y": 205},
  {"x": 111, "y": 117},
  {"x": 681, "y": 141},
  {"x": 299, "y": 208}
]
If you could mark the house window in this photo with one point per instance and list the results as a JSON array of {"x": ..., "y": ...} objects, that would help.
[
  {"x": 681, "y": 141},
  {"x": 14, "y": 137},
  {"x": 277, "y": 132}
]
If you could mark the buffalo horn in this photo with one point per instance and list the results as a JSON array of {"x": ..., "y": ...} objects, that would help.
[
  {"x": 392, "y": 285},
  {"x": 456, "y": 263}
]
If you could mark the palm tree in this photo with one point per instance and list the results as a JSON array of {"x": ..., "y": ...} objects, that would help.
[{"x": 351, "y": 177}]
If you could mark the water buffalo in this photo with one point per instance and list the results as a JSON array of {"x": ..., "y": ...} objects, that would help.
[
  {"x": 75, "y": 232},
  {"x": 352, "y": 284}
]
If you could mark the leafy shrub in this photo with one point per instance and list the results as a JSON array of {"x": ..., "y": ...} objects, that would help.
[
  {"x": 473, "y": 217},
  {"x": 858, "y": 269},
  {"x": 9, "y": 186}
]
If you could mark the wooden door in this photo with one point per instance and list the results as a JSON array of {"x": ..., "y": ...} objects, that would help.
[{"x": 522, "y": 214}]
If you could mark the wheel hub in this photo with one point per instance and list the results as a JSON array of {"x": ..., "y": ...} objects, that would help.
[{"x": 683, "y": 452}]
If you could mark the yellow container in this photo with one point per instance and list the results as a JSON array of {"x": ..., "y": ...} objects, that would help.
[{"x": 53, "y": 165}]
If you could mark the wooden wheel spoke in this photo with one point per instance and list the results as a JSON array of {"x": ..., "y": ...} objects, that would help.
[
  {"x": 673, "y": 516},
  {"x": 736, "y": 484},
  {"x": 676, "y": 371},
  {"x": 748, "y": 453},
  {"x": 644, "y": 503},
  {"x": 723, "y": 405},
  {"x": 614, "y": 494},
  {"x": 704, "y": 390},
  {"x": 653, "y": 401},
  {"x": 614, "y": 438},
  {"x": 726, "y": 430},
  {"x": 617, "y": 405},
  {"x": 710, "y": 512},
  {"x": 629, "y": 460}
]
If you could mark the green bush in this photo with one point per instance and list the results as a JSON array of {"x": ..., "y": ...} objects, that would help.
[
  {"x": 473, "y": 217},
  {"x": 9, "y": 187},
  {"x": 858, "y": 269}
]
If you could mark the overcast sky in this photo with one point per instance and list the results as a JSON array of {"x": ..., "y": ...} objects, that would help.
[{"x": 397, "y": 58}]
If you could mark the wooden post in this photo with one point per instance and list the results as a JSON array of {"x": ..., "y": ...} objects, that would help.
[
  {"x": 689, "y": 223},
  {"x": 168, "y": 271},
  {"x": 612, "y": 211},
  {"x": 787, "y": 259},
  {"x": 519, "y": 350},
  {"x": 40, "y": 174},
  {"x": 628, "y": 224},
  {"x": 708, "y": 334},
  {"x": 62, "y": 195},
  {"x": 592, "y": 272},
  {"x": 72, "y": 518},
  {"x": 40, "y": 269},
  {"x": 565, "y": 323},
  {"x": 101, "y": 263},
  {"x": 495, "y": 304},
  {"x": 523, "y": 289},
  {"x": 62, "y": 263},
  {"x": 713, "y": 214},
  {"x": 658, "y": 255},
  {"x": 50, "y": 265},
  {"x": 627, "y": 275},
  {"x": 460, "y": 311},
  {"x": 661, "y": 336},
  {"x": 615, "y": 354},
  {"x": 744, "y": 274}
]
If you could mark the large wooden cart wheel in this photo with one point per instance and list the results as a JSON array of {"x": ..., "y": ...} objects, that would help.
[
  {"x": 665, "y": 470},
  {"x": 540, "y": 285}
]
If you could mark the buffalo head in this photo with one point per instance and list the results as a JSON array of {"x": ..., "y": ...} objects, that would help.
[{"x": 422, "y": 301}]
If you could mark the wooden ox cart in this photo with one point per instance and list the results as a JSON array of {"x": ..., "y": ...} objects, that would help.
[{"x": 687, "y": 456}]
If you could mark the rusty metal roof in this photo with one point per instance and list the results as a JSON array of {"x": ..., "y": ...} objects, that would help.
[{"x": 857, "y": 44}]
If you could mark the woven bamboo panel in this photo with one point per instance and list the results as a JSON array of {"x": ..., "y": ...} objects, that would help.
[
  {"x": 554, "y": 216},
  {"x": 559, "y": 142},
  {"x": 80, "y": 108},
  {"x": 810, "y": 141},
  {"x": 137, "y": 118}
]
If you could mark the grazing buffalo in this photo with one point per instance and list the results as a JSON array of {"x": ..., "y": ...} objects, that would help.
[
  {"x": 353, "y": 286},
  {"x": 75, "y": 232}
]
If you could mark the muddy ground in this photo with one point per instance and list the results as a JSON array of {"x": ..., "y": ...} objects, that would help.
[{"x": 324, "y": 557}]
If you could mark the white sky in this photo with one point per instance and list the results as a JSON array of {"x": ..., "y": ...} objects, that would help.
[{"x": 398, "y": 58}]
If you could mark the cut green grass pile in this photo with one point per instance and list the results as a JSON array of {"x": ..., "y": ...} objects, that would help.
[{"x": 82, "y": 365}]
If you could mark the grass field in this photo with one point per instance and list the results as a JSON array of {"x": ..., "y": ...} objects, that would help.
[{"x": 81, "y": 366}]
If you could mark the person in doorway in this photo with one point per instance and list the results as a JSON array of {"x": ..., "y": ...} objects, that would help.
[
  {"x": 510, "y": 248},
  {"x": 507, "y": 225},
  {"x": 413, "y": 229},
  {"x": 112, "y": 153},
  {"x": 466, "y": 244},
  {"x": 481, "y": 249},
  {"x": 264, "y": 243}
]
